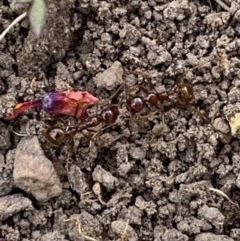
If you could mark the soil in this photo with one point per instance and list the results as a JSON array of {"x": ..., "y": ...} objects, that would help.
[{"x": 165, "y": 174}]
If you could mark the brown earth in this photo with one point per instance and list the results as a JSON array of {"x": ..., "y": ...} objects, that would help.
[{"x": 139, "y": 179}]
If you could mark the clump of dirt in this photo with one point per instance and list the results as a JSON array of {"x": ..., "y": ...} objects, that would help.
[{"x": 167, "y": 173}]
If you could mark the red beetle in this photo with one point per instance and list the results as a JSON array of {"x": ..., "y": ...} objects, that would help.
[{"x": 72, "y": 103}]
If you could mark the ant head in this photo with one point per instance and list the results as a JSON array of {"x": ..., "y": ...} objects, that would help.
[{"x": 55, "y": 136}]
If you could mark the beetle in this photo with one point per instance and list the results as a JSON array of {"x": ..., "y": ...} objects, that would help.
[{"x": 71, "y": 103}]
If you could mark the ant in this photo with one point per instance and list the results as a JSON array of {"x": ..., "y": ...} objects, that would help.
[
  {"x": 76, "y": 104},
  {"x": 180, "y": 96},
  {"x": 57, "y": 135},
  {"x": 108, "y": 115}
]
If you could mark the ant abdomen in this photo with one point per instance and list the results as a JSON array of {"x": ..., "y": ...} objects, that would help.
[
  {"x": 109, "y": 114},
  {"x": 135, "y": 104}
]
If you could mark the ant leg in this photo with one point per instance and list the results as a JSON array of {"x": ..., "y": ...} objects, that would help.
[
  {"x": 201, "y": 114},
  {"x": 92, "y": 139},
  {"x": 204, "y": 117},
  {"x": 106, "y": 102},
  {"x": 146, "y": 77},
  {"x": 116, "y": 92}
]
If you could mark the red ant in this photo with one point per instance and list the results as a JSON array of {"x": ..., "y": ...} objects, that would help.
[
  {"x": 180, "y": 96},
  {"x": 137, "y": 103},
  {"x": 56, "y": 135}
]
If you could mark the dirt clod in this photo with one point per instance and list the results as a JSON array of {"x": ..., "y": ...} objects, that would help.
[
  {"x": 13, "y": 204},
  {"x": 212, "y": 215},
  {"x": 124, "y": 230},
  {"x": 104, "y": 177},
  {"x": 212, "y": 237}
]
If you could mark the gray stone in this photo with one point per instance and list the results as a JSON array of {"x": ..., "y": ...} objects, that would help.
[
  {"x": 110, "y": 78},
  {"x": 33, "y": 172}
]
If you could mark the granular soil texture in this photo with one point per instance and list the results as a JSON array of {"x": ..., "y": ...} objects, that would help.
[{"x": 168, "y": 173}]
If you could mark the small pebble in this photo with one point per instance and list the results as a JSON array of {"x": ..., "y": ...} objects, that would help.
[
  {"x": 102, "y": 176},
  {"x": 234, "y": 122},
  {"x": 110, "y": 78},
  {"x": 212, "y": 215},
  {"x": 221, "y": 125}
]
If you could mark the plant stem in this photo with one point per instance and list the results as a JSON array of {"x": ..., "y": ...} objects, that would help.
[{"x": 18, "y": 19}]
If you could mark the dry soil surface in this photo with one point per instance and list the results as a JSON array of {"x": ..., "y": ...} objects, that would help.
[{"x": 169, "y": 173}]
